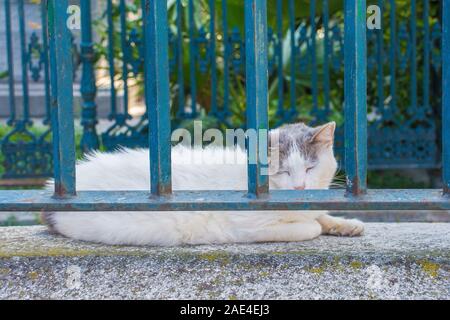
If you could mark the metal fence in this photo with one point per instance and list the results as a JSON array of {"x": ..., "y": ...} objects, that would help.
[
  {"x": 207, "y": 60},
  {"x": 157, "y": 93}
]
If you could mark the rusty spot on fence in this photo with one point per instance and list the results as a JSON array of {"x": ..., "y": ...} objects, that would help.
[{"x": 354, "y": 187}]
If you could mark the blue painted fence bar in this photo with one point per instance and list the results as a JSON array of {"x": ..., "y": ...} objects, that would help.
[
  {"x": 61, "y": 76},
  {"x": 109, "y": 18},
  {"x": 89, "y": 121},
  {"x": 157, "y": 95},
  {"x": 9, "y": 53},
  {"x": 125, "y": 50},
  {"x": 24, "y": 60},
  {"x": 257, "y": 94},
  {"x": 44, "y": 58},
  {"x": 355, "y": 65},
  {"x": 192, "y": 55},
  {"x": 446, "y": 94}
]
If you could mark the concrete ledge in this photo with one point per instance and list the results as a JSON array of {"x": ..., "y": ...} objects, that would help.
[
  {"x": 396, "y": 216},
  {"x": 392, "y": 261}
]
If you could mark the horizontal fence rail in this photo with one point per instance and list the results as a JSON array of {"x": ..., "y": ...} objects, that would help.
[
  {"x": 376, "y": 200},
  {"x": 258, "y": 197}
]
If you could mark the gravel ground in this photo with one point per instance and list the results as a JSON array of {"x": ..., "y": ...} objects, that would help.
[{"x": 391, "y": 261}]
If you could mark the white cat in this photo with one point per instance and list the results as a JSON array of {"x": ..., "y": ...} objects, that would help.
[{"x": 306, "y": 162}]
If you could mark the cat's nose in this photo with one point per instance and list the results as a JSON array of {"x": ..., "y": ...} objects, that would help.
[{"x": 300, "y": 187}]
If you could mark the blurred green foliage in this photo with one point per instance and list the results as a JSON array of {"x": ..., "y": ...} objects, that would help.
[{"x": 303, "y": 83}]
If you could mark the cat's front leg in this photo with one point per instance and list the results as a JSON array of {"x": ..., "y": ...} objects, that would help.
[{"x": 340, "y": 227}]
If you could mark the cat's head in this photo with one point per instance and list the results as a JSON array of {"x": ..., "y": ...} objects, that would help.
[{"x": 305, "y": 157}]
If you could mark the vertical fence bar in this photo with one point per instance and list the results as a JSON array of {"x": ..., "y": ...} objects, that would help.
[
  {"x": 112, "y": 71},
  {"x": 157, "y": 97},
  {"x": 279, "y": 54},
  {"x": 257, "y": 92},
  {"x": 380, "y": 62},
  {"x": 312, "y": 53},
  {"x": 446, "y": 93},
  {"x": 326, "y": 56},
  {"x": 88, "y": 86},
  {"x": 61, "y": 76},
  {"x": 44, "y": 20},
  {"x": 393, "y": 56},
  {"x": 192, "y": 58},
  {"x": 212, "y": 56},
  {"x": 413, "y": 74},
  {"x": 24, "y": 61},
  {"x": 226, "y": 59},
  {"x": 125, "y": 54},
  {"x": 426, "y": 54},
  {"x": 293, "y": 71},
  {"x": 355, "y": 96},
  {"x": 180, "y": 61},
  {"x": 9, "y": 53}
]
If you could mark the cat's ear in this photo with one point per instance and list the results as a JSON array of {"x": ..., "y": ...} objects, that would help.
[{"x": 325, "y": 134}]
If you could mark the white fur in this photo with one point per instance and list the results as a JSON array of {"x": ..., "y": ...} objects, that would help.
[{"x": 129, "y": 170}]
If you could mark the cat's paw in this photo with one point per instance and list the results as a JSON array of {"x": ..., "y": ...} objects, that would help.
[{"x": 347, "y": 228}]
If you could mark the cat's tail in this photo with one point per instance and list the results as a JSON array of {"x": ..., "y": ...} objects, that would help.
[{"x": 115, "y": 228}]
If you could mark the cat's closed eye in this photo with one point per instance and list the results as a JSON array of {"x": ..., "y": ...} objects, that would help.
[
  {"x": 284, "y": 172},
  {"x": 310, "y": 169}
]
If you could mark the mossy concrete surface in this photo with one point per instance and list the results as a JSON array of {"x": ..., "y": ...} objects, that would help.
[{"x": 391, "y": 261}]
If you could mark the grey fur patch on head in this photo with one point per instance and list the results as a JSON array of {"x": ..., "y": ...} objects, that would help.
[{"x": 300, "y": 137}]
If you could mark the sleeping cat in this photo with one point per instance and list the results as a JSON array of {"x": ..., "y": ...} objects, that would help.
[{"x": 306, "y": 161}]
